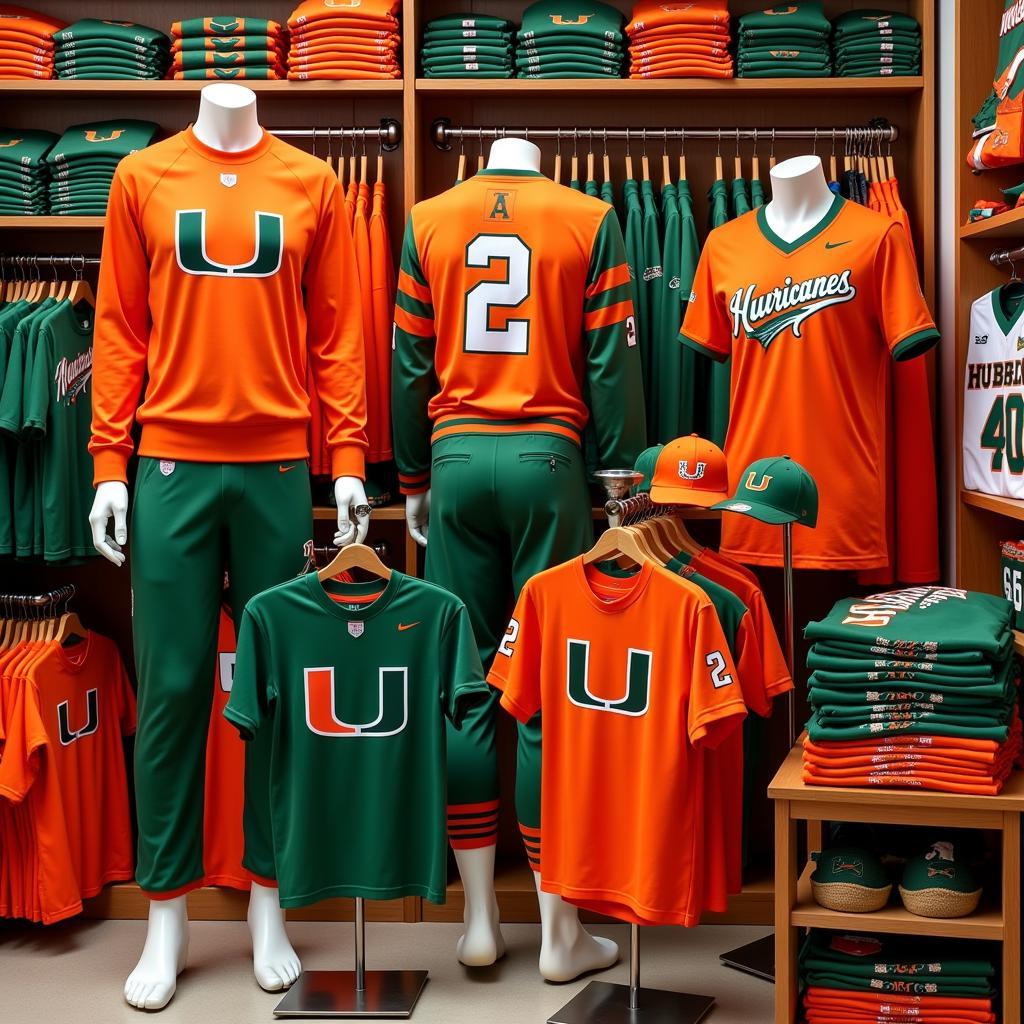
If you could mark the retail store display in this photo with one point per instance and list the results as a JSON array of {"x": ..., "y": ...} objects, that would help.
[
  {"x": 360, "y": 42},
  {"x": 682, "y": 41},
  {"x": 784, "y": 41},
  {"x": 26, "y": 43},
  {"x": 850, "y": 880},
  {"x": 468, "y": 46},
  {"x": 998, "y": 136},
  {"x": 45, "y": 411},
  {"x": 91, "y": 48},
  {"x": 914, "y": 688},
  {"x": 24, "y": 172},
  {"x": 1011, "y": 564},
  {"x": 570, "y": 39},
  {"x": 867, "y": 978},
  {"x": 65, "y": 829},
  {"x": 873, "y": 44},
  {"x": 228, "y": 47}
]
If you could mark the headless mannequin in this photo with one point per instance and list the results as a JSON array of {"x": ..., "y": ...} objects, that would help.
[
  {"x": 800, "y": 197},
  {"x": 227, "y": 122},
  {"x": 567, "y": 950}
]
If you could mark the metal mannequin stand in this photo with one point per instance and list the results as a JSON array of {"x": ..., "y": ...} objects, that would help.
[
  {"x": 358, "y": 994},
  {"x": 604, "y": 1003}
]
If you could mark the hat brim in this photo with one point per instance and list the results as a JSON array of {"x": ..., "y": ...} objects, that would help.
[
  {"x": 757, "y": 510},
  {"x": 665, "y": 494}
]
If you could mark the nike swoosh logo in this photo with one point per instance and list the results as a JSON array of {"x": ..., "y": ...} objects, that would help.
[
  {"x": 403, "y": 626},
  {"x": 835, "y": 245},
  {"x": 285, "y": 469}
]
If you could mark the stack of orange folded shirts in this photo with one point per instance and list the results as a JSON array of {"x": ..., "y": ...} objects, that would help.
[
  {"x": 688, "y": 40},
  {"x": 357, "y": 41},
  {"x": 26, "y": 42}
]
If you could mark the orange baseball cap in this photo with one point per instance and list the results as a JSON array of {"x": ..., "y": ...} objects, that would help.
[{"x": 690, "y": 471}]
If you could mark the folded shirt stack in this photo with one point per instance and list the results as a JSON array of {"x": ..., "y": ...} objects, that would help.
[
  {"x": 226, "y": 47},
  {"x": 83, "y": 161},
  {"x": 358, "y": 41},
  {"x": 680, "y": 41},
  {"x": 111, "y": 49},
  {"x": 785, "y": 41},
  {"x": 468, "y": 46},
  {"x": 914, "y": 688},
  {"x": 24, "y": 173},
  {"x": 864, "y": 979},
  {"x": 26, "y": 43},
  {"x": 872, "y": 44},
  {"x": 570, "y": 39}
]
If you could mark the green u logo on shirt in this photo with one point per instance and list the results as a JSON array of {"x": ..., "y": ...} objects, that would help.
[
  {"x": 392, "y": 705},
  {"x": 192, "y": 256},
  {"x": 638, "y": 681}
]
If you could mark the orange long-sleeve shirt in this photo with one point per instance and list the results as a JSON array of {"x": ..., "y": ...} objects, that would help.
[{"x": 223, "y": 276}]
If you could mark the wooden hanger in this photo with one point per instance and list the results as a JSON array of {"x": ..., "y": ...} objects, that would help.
[
  {"x": 352, "y": 165},
  {"x": 613, "y": 543},
  {"x": 380, "y": 167},
  {"x": 362, "y": 169},
  {"x": 574, "y": 168},
  {"x": 590, "y": 165},
  {"x": 682, "y": 167},
  {"x": 557, "y": 177},
  {"x": 460, "y": 174},
  {"x": 755, "y": 167},
  {"x": 666, "y": 170},
  {"x": 355, "y": 556},
  {"x": 606, "y": 166},
  {"x": 70, "y": 626},
  {"x": 81, "y": 290},
  {"x": 652, "y": 541}
]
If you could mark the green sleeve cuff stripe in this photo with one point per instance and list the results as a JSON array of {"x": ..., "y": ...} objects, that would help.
[
  {"x": 719, "y": 357},
  {"x": 620, "y": 293},
  {"x": 245, "y": 725},
  {"x": 414, "y": 306},
  {"x": 609, "y": 333},
  {"x": 916, "y": 344}
]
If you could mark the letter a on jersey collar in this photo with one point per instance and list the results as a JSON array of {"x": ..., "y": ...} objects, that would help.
[
  {"x": 638, "y": 681},
  {"x": 392, "y": 705}
]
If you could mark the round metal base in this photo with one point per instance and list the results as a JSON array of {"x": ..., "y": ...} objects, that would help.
[{"x": 603, "y": 1003}]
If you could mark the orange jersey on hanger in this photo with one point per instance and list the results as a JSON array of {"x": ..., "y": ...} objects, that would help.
[
  {"x": 223, "y": 275},
  {"x": 811, "y": 327},
  {"x": 632, "y": 689},
  {"x": 378, "y": 389}
]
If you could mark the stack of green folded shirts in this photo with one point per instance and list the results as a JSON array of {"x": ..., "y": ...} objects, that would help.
[
  {"x": 468, "y": 46},
  {"x": 785, "y": 41},
  {"x": 110, "y": 49},
  {"x": 228, "y": 47},
  {"x": 23, "y": 171},
  {"x": 571, "y": 39},
  {"x": 83, "y": 161},
  {"x": 872, "y": 44}
]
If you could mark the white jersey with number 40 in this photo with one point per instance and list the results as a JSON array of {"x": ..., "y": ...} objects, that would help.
[{"x": 993, "y": 442}]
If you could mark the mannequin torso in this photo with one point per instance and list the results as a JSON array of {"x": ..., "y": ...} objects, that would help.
[
  {"x": 513, "y": 155},
  {"x": 800, "y": 197},
  {"x": 227, "y": 118}
]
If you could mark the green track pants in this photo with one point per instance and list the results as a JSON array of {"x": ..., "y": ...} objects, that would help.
[
  {"x": 191, "y": 521},
  {"x": 503, "y": 508}
]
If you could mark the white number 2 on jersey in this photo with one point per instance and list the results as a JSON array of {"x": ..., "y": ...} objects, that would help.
[
  {"x": 510, "y": 637},
  {"x": 514, "y": 338},
  {"x": 719, "y": 676}
]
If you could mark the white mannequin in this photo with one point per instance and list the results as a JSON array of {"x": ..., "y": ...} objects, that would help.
[
  {"x": 567, "y": 950},
  {"x": 227, "y": 121},
  {"x": 800, "y": 197}
]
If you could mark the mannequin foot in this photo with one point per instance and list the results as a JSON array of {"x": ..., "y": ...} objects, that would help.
[
  {"x": 482, "y": 943},
  {"x": 274, "y": 962},
  {"x": 151, "y": 985},
  {"x": 561, "y": 961}
]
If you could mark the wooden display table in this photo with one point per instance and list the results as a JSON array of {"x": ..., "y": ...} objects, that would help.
[{"x": 996, "y": 919}]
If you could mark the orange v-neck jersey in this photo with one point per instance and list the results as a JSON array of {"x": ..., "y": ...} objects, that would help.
[{"x": 224, "y": 276}]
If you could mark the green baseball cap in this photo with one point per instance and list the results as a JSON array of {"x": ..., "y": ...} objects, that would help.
[
  {"x": 645, "y": 463},
  {"x": 776, "y": 491}
]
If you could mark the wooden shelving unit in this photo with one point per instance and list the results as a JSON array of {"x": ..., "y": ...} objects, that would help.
[
  {"x": 1008, "y": 225},
  {"x": 419, "y": 170},
  {"x": 796, "y": 802}
]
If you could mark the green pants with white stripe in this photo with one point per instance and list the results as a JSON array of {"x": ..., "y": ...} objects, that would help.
[
  {"x": 189, "y": 522},
  {"x": 503, "y": 507}
]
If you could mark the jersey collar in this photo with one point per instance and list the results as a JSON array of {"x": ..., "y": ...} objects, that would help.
[
  {"x": 1006, "y": 324},
  {"x": 618, "y": 604},
  {"x": 494, "y": 172},
  {"x": 790, "y": 247},
  {"x": 316, "y": 588}
]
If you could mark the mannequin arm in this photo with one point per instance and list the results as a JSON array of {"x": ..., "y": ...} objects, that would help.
[
  {"x": 417, "y": 516},
  {"x": 111, "y": 501},
  {"x": 350, "y": 495}
]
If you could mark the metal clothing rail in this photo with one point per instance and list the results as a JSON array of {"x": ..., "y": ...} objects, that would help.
[
  {"x": 1006, "y": 256},
  {"x": 443, "y": 132},
  {"x": 40, "y": 261},
  {"x": 388, "y": 134}
]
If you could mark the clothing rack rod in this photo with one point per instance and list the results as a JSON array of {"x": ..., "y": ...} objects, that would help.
[
  {"x": 388, "y": 133},
  {"x": 1006, "y": 256},
  {"x": 40, "y": 260},
  {"x": 443, "y": 132}
]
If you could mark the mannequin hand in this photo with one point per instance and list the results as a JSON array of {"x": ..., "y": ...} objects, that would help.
[
  {"x": 417, "y": 516},
  {"x": 111, "y": 500},
  {"x": 350, "y": 494}
]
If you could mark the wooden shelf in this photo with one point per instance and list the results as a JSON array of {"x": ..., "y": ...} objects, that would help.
[
  {"x": 1012, "y": 508},
  {"x": 146, "y": 88},
  {"x": 688, "y": 86},
  {"x": 49, "y": 223},
  {"x": 895, "y": 919},
  {"x": 1004, "y": 225}
]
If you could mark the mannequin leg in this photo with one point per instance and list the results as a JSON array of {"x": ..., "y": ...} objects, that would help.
[
  {"x": 567, "y": 949},
  {"x": 271, "y": 522},
  {"x": 152, "y": 983},
  {"x": 274, "y": 962},
  {"x": 482, "y": 943}
]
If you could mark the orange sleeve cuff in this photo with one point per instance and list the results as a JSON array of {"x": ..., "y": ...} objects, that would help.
[
  {"x": 107, "y": 466},
  {"x": 348, "y": 460}
]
